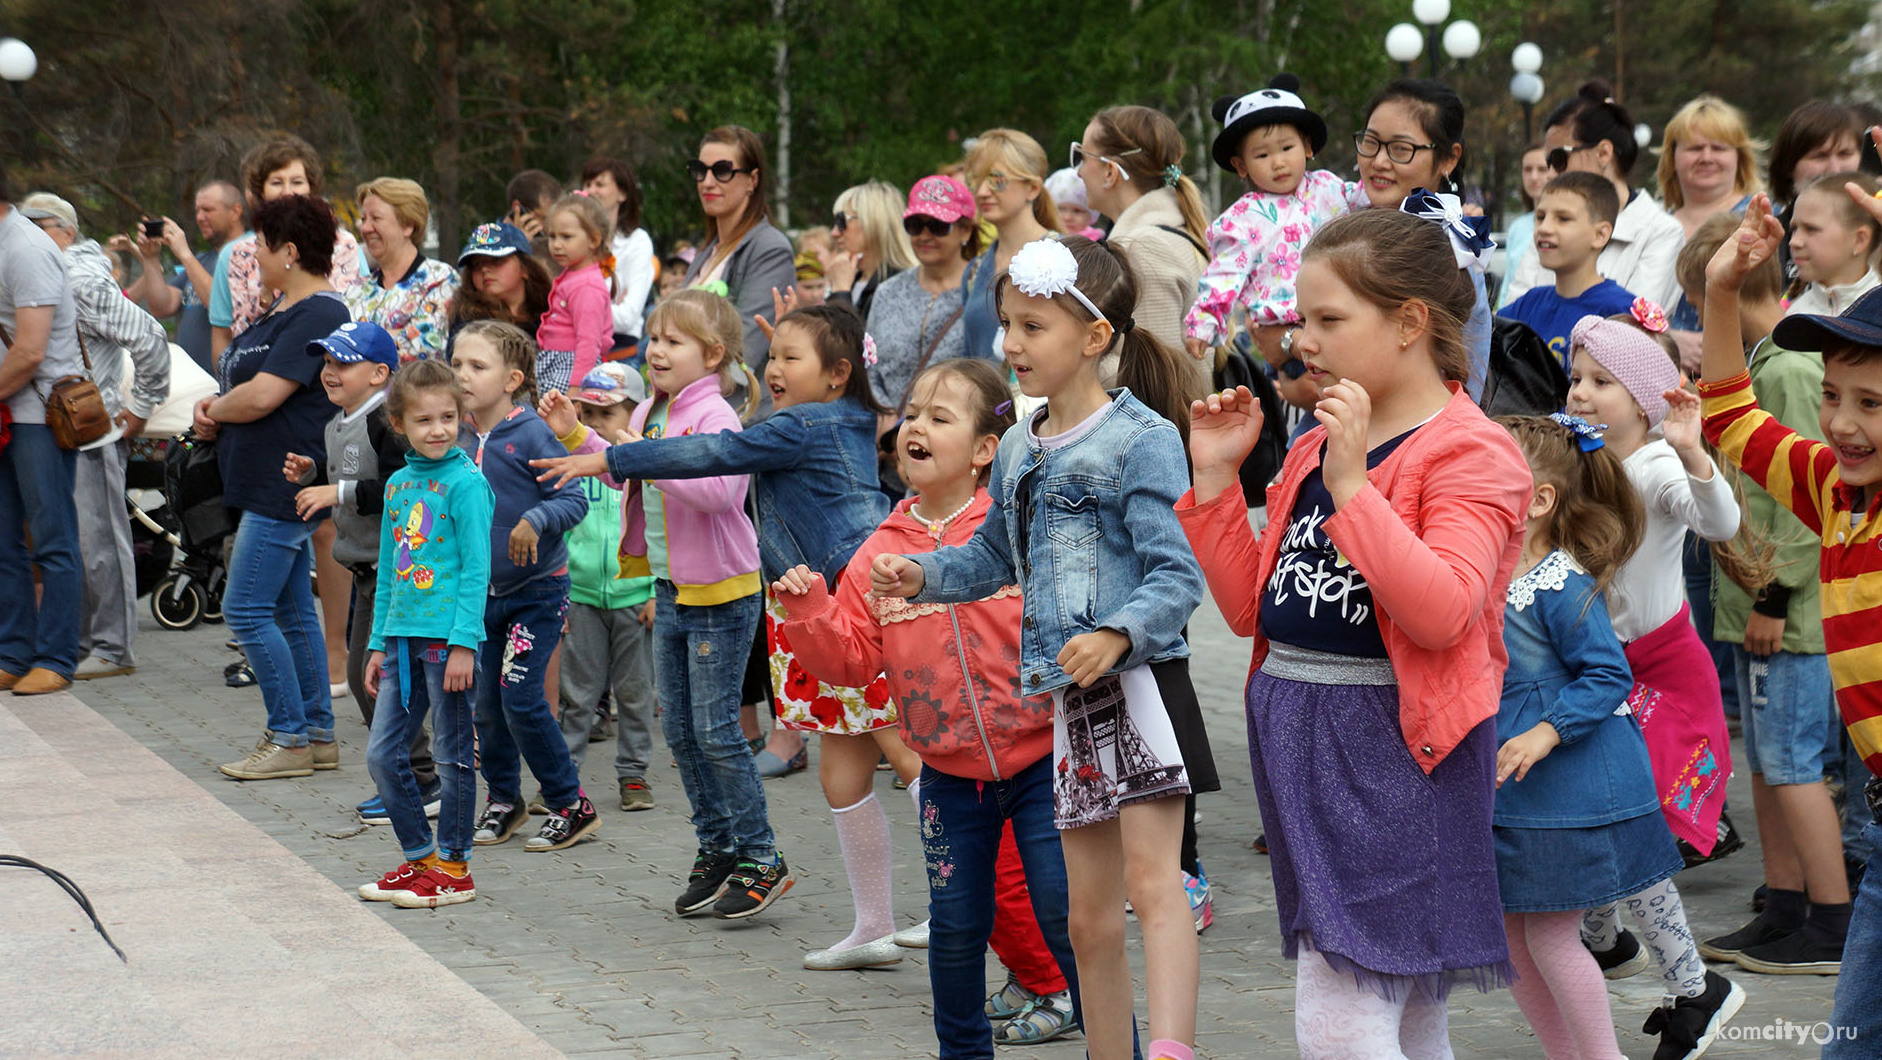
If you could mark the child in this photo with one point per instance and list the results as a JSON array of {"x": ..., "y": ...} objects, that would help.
[
  {"x": 1375, "y": 597},
  {"x": 1267, "y": 139},
  {"x": 362, "y": 453},
  {"x": 1081, "y": 519},
  {"x": 610, "y": 613},
  {"x": 1575, "y": 824},
  {"x": 1067, "y": 189},
  {"x": 1574, "y": 220},
  {"x": 427, "y": 624},
  {"x": 691, "y": 534},
  {"x": 528, "y": 593},
  {"x": 976, "y": 728},
  {"x": 1832, "y": 488},
  {"x": 578, "y": 328},
  {"x": 1832, "y": 243}
]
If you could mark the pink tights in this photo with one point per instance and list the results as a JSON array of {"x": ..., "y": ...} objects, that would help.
[{"x": 1559, "y": 986}]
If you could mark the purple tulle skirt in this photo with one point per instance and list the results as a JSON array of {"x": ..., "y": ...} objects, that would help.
[{"x": 1386, "y": 872}]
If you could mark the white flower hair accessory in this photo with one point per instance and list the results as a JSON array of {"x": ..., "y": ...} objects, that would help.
[
  {"x": 1045, "y": 268},
  {"x": 869, "y": 349}
]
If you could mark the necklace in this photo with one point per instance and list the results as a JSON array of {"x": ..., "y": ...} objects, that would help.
[{"x": 937, "y": 527}]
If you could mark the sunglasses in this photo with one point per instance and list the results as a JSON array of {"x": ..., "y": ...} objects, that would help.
[
  {"x": 1399, "y": 151},
  {"x": 1078, "y": 158},
  {"x": 918, "y": 223},
  {"x": 721, "y": 170},
  {"x": 1558, "y": 157},
  {"x": 840, "y": 224}
]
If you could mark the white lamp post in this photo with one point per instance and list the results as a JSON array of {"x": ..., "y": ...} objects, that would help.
[
  {"x": 1460, "y": 40},
  {"x": 1404, "y": 43},
  {"x": 1526, "y": 86},
  {"x": 17, "y": 62}
]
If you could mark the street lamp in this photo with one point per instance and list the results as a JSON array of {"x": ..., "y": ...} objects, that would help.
[
  {"x": 1643, "y": 135},
  {"x": 1404, "y": 43},
  {"x": 1460, "y": 40},
  {"x": 1526, "y": 86},
  {"x": 17, "y": 62}
]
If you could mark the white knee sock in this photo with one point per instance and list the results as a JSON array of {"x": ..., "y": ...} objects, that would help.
[{"x": 862, "y": 831}]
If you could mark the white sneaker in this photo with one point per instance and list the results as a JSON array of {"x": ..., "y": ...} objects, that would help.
[{"x": 878, "y": 954}]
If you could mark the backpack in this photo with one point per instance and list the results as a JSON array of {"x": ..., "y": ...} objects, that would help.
[
  {"x": 1264, "y": 461},
  {"x": 1524, "y": 378}
]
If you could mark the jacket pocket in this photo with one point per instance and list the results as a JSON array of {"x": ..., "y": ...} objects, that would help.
[{"x": 1072, "y": 517}]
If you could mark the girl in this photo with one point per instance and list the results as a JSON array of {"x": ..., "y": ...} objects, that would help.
[
  {"x": 427, "y": 625},
  {"x": 1520, "y": 242},
  {"x": 577, "y": 330},
  {"x": 612, "y": 184},
  {"x": 1080, "y": 517},
  {"x": 499, "y": 280},
  {"x": 1833, "y": 244},
  {"x": 1376, "y": 604},
  {"x": 1575, "y": 824},
  {"x": 686, "y": 526},
  {"x": 1818, "y": 137},
  {"x": 972, "y": 729},
  {"x": 528, "y": 592},
  {"x": 1268, "y": 139}
]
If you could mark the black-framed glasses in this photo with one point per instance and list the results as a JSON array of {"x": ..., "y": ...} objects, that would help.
[
  {"x": 1558, "y": 156},
  {"x": 1399, "y": 151},
  {"x": 916, "y": 224},
  {"x": 721, "y": 170}
]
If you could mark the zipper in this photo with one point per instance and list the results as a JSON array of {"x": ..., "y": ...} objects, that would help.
[{"x": 973, "y": 699}]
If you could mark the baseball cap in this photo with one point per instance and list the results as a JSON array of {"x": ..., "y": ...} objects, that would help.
[
  {"x": 45, "y": 206},
  {"x": 611, "y": 384},
  {"x": 939, "y": 197},
  {"x": 494, "y": 239},
  {"x": 1860, "y": 325},
  {"x": 356, "y": 341}
]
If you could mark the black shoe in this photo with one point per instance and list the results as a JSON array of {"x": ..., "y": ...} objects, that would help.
[
  {"x": 565, "y": 827},
  {"x": 706, "y": 882},
  {"x": 1260, "y": 845},
  {"x": 751, "y": 888},
  {"x": 1758, "y": 896},
  {"x": 238, "y": 675},
  {"x": 1688, "y": 1028},
  {"x": 1757, "y": 933},
  {"x": 1625, "y": 959},
  {"x": 498, "y": 824},
  {"x": 1729, "y": 843},
  {"x": 1798, "y": 953}
]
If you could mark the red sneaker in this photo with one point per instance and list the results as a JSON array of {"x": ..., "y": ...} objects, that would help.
[
  {"x": 398, "y": 881},
  {"x": 435, "y": 888}
]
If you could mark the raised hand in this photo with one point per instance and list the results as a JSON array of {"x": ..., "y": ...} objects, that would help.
[
  {"x": 781, "y": 303},
  {"x": 1346, "y": 411},
  {"x": 558, "y": 412},
  {"x": 1223, "y": 430},
  {"x": 564, "y": 468},
  {"x": 1680, "y": 428},
  {"x": 1755, "y": 243},
  {"x": 798, "y": 581}
]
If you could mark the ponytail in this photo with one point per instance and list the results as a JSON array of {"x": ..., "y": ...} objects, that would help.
[
  {"x": 1195, "y": 222},
  {"x": 1146, "y": 144}
]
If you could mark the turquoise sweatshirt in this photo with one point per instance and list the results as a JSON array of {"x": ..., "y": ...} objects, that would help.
[{"x": 434, "y": 552}]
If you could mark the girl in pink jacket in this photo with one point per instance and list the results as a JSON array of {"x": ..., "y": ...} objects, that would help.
[{"x": 577, "y": 330}]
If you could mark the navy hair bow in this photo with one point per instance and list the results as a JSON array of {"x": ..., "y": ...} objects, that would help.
[
  {"x": 1587, "y": 435},
  {"x": 1470, "y": 236}
]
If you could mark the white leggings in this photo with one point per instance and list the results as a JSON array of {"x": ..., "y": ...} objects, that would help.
[{"x": 1335, "y": 1018}]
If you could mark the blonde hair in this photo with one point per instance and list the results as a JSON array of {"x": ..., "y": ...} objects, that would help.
[
  {"x": 1713, "y": 119},
  {"x": 407, "y": 199},
  {"x": 594, "y": 221},
  {"x": 517, "y": 349},
  {"x": 878, "y": 208},
  {"x": 706, "y": 318},
  {"x": 1016, "y": 156}
]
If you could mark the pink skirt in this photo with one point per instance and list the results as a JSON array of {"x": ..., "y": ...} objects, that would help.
[{"x": 1676, "y": 700}]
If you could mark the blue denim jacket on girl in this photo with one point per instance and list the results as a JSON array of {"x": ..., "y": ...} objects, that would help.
[{"x": 1089, "y": 532}]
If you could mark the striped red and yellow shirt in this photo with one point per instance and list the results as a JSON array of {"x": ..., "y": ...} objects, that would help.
[{"x": 1802, "y": 474}]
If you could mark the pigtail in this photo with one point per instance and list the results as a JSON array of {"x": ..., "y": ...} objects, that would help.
[{"x": 1598, "y": 517}]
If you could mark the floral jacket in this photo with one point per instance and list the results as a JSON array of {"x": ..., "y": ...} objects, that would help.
[
  {"x": 1255, "y": 249},
  {"x": 415, "y": 309}
]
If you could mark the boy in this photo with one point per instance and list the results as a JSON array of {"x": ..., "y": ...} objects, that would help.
[
  {"x": 362, "y": 453},
  {"x": 1833, "y": 490},
  {"x": 1574, "y": 220},
  {"x": 607, "y": 646}
]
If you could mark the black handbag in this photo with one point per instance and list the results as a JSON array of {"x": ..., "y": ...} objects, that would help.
[{"x": 1524, "y": 377}]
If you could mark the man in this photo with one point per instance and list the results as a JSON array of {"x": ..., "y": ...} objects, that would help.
[
  {"x": 185, "y": 295},
  {"x": 113, "y": 331},
  {"x": 38, "y": 633}
]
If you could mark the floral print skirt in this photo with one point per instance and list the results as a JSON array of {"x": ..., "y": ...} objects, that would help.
[{"x": 804, "y": 703}]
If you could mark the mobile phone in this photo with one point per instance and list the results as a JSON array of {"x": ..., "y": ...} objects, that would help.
[{"x": 154, "y": 229}]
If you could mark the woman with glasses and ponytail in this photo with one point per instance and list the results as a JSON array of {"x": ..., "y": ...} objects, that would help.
[{"x": 744, "y": 257}]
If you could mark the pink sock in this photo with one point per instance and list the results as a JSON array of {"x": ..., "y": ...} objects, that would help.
[
  {"x": 1165, "y": 1049},
  {"x": 862, "y": 831},
  {"x": 1559, "y": 986}
]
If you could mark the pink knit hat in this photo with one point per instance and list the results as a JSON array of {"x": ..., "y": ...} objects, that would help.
[{"x": 1633, "y": 358}]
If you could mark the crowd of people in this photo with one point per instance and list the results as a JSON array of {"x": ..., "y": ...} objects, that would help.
[{"x": 941, "y": 485}]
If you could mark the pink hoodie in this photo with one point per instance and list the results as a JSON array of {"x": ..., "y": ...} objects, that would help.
[{"x": 580, "y": 319}]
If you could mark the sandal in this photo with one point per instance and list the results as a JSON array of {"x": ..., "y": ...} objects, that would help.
[
  {"x": 1009, "y": 1000},
  {"x": 1042, "y": 1020},
  {"x": 771, "y": 766}
]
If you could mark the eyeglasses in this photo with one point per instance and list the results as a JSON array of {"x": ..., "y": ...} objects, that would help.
[
  {"x": 841, "y": 223},
  {"x": 1558, "y": 157},
  {"x": 995, "y": 182},
  {"x": 918, "y": 223},
  {"x": 721, "y": 170},
  {"x": 1399, "y": 151},
  {"x": 1078, "y": 158}
]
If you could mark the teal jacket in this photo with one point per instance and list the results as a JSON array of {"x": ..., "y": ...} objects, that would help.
[
  {"x": 434, "y": 552},
  {"x": 595, "y": 554}
]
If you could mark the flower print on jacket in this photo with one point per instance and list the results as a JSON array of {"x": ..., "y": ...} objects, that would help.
[{"x": 1255, "y": 254}]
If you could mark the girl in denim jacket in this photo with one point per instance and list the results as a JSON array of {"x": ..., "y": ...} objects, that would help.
[
  {"x": 1576, "y": 822},
  {"x": 1081, "y": 518}
]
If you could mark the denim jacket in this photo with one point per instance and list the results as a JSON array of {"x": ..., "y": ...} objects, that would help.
[
  {"x": 1089, "y": 532},
  {"x": 1566, "y": 668},
  {"x": 815, "y": 470}
]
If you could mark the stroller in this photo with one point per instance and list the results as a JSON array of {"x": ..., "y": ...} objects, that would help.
[{"x": 193, "y": 523}]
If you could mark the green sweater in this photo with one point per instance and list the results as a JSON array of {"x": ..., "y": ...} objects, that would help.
[
  {"x": 1788, "y": 385},
  {"x": 595, "y": 555},
  {"x": 434, "y": 552}
]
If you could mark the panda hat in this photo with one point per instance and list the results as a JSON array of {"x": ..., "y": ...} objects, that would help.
[{"x": 1278, "y": 104}]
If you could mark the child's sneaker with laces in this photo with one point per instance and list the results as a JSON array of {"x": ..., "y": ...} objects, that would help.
[
  {"x": 752, "y": 888},
  {"x": 1201, "y": 905},
  {"x": 436, "y": 887},
  {"x": 498, "y": 823},
  {"x": 565, "y": 827},
  {"x": 705, "y": 883},
  {"x": 392, "y": 883}
]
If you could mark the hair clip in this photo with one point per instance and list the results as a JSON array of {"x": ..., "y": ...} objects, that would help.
[
  {"x": 1587, "y": 435},
  {"x": 1172, "y": 175},
  {"x": 1045, "y": 268},
  {"x": 1003, "y": 407},
  {"x": 869, "y": 349},
  {"x": 1648, "y": 315}
]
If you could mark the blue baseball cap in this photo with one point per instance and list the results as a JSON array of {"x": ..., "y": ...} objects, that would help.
[
  {"x": 356, "y": 341},
  {"x": 1860, "y": 325},
  {"x": 494, "y": 239}
]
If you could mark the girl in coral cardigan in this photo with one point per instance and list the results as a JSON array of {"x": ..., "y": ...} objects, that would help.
[{"x": 1377, "y": 611}]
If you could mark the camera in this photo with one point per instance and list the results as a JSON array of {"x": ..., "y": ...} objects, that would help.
[{"x": 154, "y": 229}]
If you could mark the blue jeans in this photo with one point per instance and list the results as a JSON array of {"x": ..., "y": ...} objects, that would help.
[
  {"x": 269, "y": 605},
  {"x": 961, "y": 821},
  {"x": 521, "y": 631},
  {"x": 1788, "y": 710},
  {"x": 36, "y": 482},
  {"x": 410, "y": 685},
  {"x": 1856, "y": 1021},
  {"x": 699, "y": 658}
]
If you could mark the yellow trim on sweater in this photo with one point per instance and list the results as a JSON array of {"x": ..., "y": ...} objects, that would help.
[{"x": 737, "y": 587}]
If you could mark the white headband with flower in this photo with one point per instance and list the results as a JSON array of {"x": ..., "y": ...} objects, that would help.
[{"x": 1044, "y": 268}]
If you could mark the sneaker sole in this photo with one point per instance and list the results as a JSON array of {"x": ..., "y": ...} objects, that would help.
[
  {"x": 370, "y": 893},
  {"x": 704, "y": 903},
  {"x": 431, "y": 813},
  {"x": 1715, "y": 953},
  {"x": 502, "y": 837},
  {"x": 585, "y": 832},
  {"x": 1734, "y": 1000},
  {"x": 1752, "y": 964},
  {"x": 636, "y": 807},
  {"x": 1634, "y": 965},
  {"x": 408, "y": 900},
  {"x": 778, "y": 891},
  {"x": 282, "y": 775},
  {"x": 122, "y": 671}
]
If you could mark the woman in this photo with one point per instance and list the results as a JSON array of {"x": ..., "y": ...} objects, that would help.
[
  {"x": 1520, "y": 243},
  {"x": 1006, "y": 170},
  {"x": 611, "y": 182},
  {"x": 1708, "y": 163},
  {"x": 871, "y": 246},
  {"x": 407, "y": 294},
  {"x": 744, "y": 257},
  {"x": 1131, "y": 160},
  {"x": 916, "y": 315},
  {"x": 1817, "y": 138},
  {"x": 499, "y": 279},
  {"x": 272, "y": 404}
]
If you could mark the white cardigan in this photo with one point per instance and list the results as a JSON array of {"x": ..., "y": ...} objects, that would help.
[
  {"x": 1650, "y": 587},
  {"x": 633, "y": 279}
]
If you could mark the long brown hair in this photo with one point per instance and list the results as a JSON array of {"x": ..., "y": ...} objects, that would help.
[
  {"x": 472, "y": 304},
  {"x": 1598, "y": 517},
  {"x": 1146, "y": 143},
  {"x": 1392, "y": 259},
  {"x": 750, "y": 152}
]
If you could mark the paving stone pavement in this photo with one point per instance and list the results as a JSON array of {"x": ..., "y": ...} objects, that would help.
[{"x": 582, "y": 946}]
